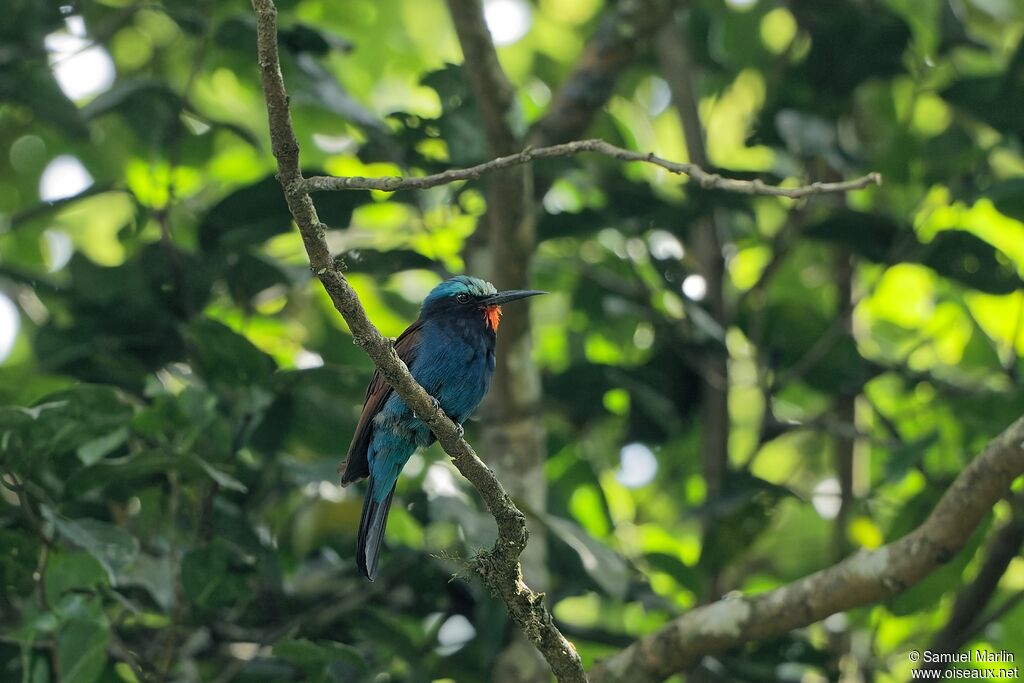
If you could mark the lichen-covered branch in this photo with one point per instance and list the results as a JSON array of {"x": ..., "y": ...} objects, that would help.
[
  {"x": 706, "y": 179},
  {"x": 859, "y": 580},
  {"x": 498, "y": 567}
]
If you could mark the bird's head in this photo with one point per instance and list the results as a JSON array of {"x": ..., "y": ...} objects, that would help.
[{"x": 465, "y": 296}]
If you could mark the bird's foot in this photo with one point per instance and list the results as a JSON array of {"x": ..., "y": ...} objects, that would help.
[
  {"x": 437, "y": 407},
  {"x": 459, "y": 430}
]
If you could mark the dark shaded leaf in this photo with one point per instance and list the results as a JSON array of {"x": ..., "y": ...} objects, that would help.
[
  {"x": 226, "y": 358},
  {"x": 1008, "y": 197},
  {"x": 968, "y": 259},
  {"x": 149, "y": 106},
  {"x": 93, "y": 451},
  {"x": 386, "y": 262},
  {"x": 251, "y": 215},
  {"x": 314, "y": 658},
  {"x": 82, "y": 650},
  {"x": 868, "y": 235},
  {"x": 29, "y": 81},
  {"x": 72, "y": 571},
  {"x": 686, "y": 576},
  {"x": 210, "y": 577},
  {"x": 248, "y": 274},
  {"x": 603, "y": 565},
  {"x": 995, "y": 100},
  {"x": 112, "y": 546}
]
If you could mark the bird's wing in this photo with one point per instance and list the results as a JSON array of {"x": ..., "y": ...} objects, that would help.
[{"x": 356, "y": 466}]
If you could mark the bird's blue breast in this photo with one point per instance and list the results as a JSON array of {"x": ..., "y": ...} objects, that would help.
[{"x": 455, "y": 364}]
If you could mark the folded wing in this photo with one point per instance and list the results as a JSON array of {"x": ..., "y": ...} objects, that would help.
[{"x": 356, "y": 466}]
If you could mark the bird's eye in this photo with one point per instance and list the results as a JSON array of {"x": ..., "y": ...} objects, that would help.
[{"x": 462, "y": 298}]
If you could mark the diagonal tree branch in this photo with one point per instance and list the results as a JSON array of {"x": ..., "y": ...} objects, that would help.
[
  {"x": 706, "y": 179},
  {"x": 859, "y": 580},
  {"x": 499, "y": 567}
]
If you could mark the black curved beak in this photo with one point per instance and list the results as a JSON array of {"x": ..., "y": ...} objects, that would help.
[{"x": 511, "y": 295}]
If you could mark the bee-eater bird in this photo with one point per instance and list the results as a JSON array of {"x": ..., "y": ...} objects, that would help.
[{"x": 450, "y": 352}]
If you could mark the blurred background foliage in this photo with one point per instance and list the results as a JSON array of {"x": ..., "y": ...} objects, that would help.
[{"x": 176, "y": 390}]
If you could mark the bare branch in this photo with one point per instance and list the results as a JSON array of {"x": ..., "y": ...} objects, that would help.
[
  {"x": 859, "y": 580},
  {"x": 706, "y": 179},
  {"x": 498, "y": 567}
]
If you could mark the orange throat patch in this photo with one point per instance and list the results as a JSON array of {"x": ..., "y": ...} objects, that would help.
[{"x": 492, "y": 314}]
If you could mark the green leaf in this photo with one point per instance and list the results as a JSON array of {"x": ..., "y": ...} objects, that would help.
[
  {"x": 149, "y": 106},
  {"x": 461, "y": 123},
  {"x": 68, "y": 571},
  {"x": 246, "y": 217},
  {"x": 686, "y": 576},
  {"x": 225, "y": 358},
  {"x": 996, "y": 100},
  {"x": 249, "y": 274},
  {"x": 603, "y": 565},
  {"x": 18, "y": 550},
  {"x": 873, "y": 237},
  {"x": 386, "y": 262},
  {"x": 30, "y": 81},
  {"x": 63, "y": 422},
  {"x": 1008, "y": 197},
  {"x": 314, "y": 657},
  {"x": 82, "y": 650},
  {"x": 208, "y": 578},
  {"x": 155, "y": 575},
  {"x": 111, "y": 545},
  {"x": 314, "y": 85},
  {"x": 253, "y": 214},
  {"x": 224, "y": 479},
  {"x": 970, "y": 260},
  {"x": 93, "y": 451}
]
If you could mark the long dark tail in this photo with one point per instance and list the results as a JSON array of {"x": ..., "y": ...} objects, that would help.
[{"x": 371, "y": 530}]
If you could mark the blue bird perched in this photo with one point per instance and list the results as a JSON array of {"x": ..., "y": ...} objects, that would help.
[{"x": 450, "y": 352}]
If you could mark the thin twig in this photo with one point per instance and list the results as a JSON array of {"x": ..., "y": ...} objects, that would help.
[{"x": 706, "y": 179}]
